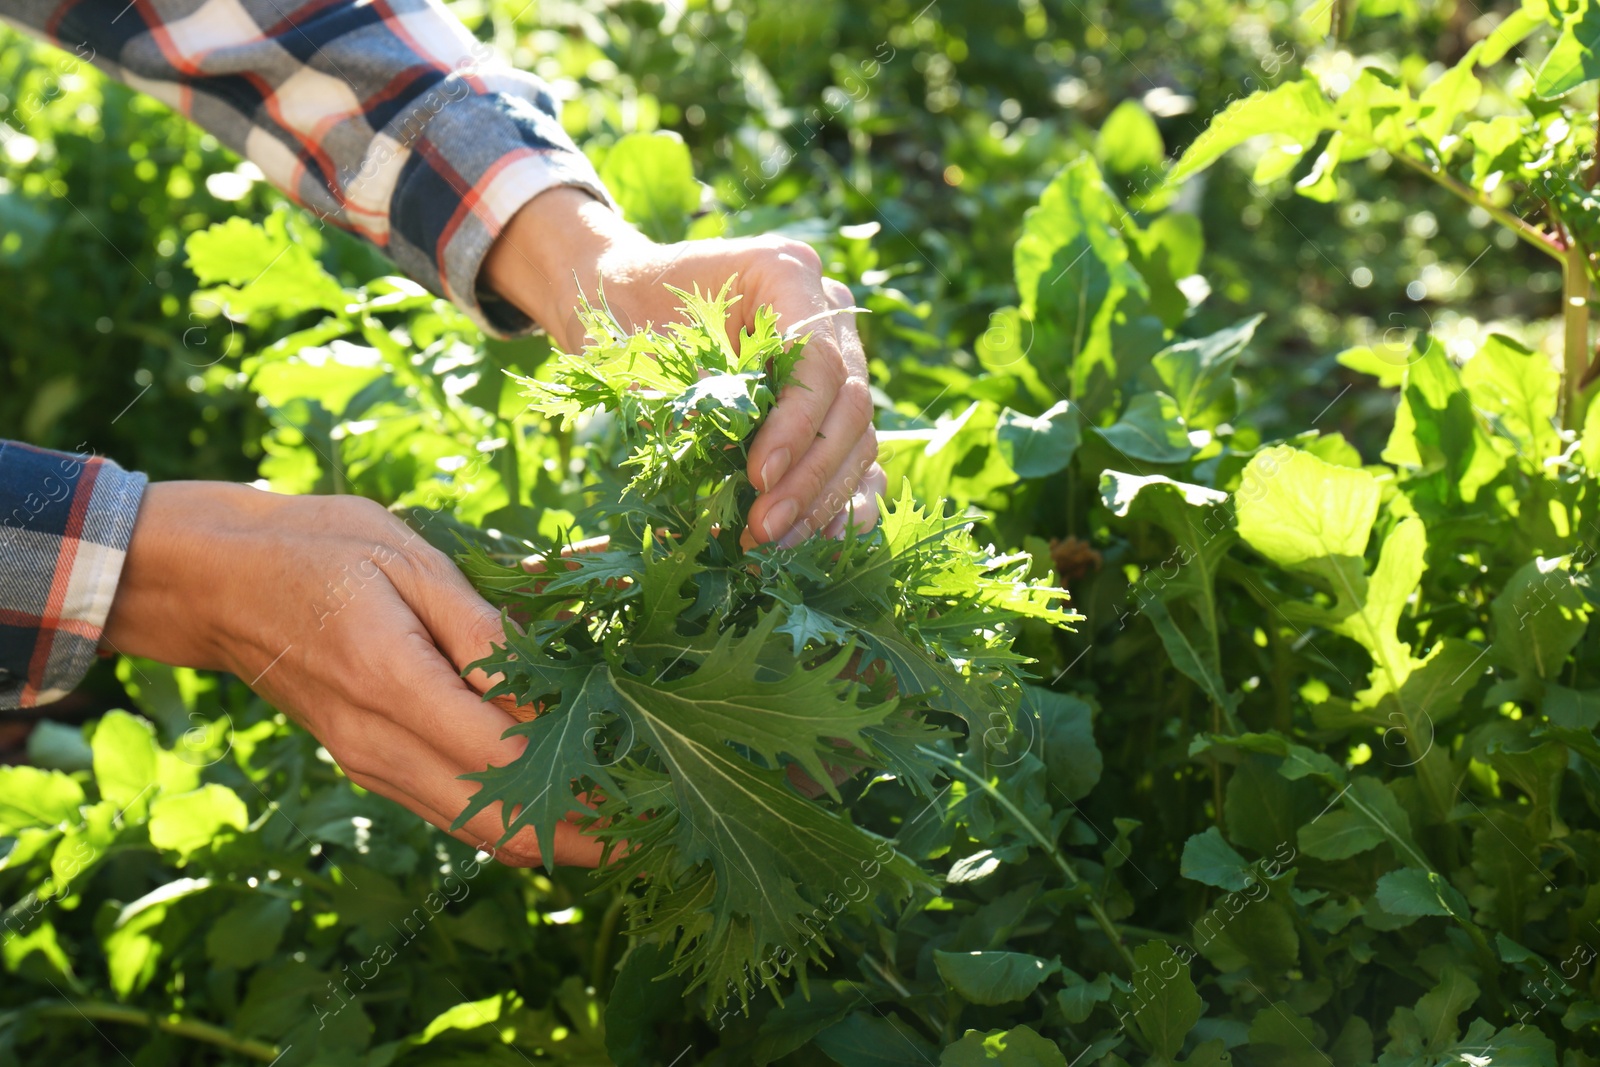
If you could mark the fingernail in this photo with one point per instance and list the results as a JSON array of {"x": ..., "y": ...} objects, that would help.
[
  {"x": 773, "y": 470},
  {"x": 780, "y": 518}
]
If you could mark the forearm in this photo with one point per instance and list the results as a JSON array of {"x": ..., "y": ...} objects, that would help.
[{"x": 389, "y": 120}]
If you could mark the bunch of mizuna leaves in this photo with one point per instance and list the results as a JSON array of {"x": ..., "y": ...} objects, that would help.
[{"x": 693, "y": 690}]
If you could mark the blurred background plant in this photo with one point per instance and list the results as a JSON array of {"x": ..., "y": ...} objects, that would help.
[{"x": 962, "y": 165}]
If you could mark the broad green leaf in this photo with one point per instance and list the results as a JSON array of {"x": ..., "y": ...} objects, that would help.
[
  {"x": 1198, "y": 374},
  {"x": 1306, "y": 514},
  {"x": 993, "y": 977},
  {"x": 1163, "y": 1003},
  {"x": 1439, "y": 1009},
  {"x": 1371, "y": 815},
  {"x": 249, "y": 932},
  {"x": 1513, "y": 30},
  {"x": 133, "y": 950},
  {"x": 1339, "y": 835},
  {"x": 1575, "y": 57},
  {"x": 1152, "y": 430},
  {"x": 1077, "y": 212},
  {"x": 1036, "y": 446},
  {"x": 1239, "y": 933},
  {"x": 1004, "y": 348},
  {"x": 1074, "y": 273},
  {"x": 1077, "y": 1001},
  {"x": 1448, "y": 98},
  {"x": 266, "y": 270},
  {"x": 1387, "y": 363},
  {"x": 124, "y": 759},
  {"x": 1436, "y": 430},
  {"x": 1209, "y": 859},
  {"x": 1519, "y": 389},
  {"x": 1572, "y": 708},
  {"x": 1509, "y": 887},
  {"x": 1065, "y": 740},
  {"x": 1166, "y": 253},
  {"x": 1412, "y": 891},
  {"x": 1179, "y": 594},
  {"x": 863, "y": 1040},
  {"x": 1283, "y": 1037},
  {"x": 1320, "y": 183},
  {"x": 784, "y": 1030},
  {"x": 1309, "y": 515},
  {"x": 652, "y": 178},
  {"x": 1264, "y": 805},
  {"x": 1128, "y": 141},
  {"x": 1119, "y": 491},
  {"x": 188, "y": 822},
  {"x": 33, "y": 797},
  {"x": 1020, "y": 1046},
  {"x": 1297, "y": 110},
  {"x": 1539, "y": 618}
]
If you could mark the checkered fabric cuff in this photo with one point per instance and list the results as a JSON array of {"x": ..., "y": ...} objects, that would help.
[
  {"x": 65, "y": 523},
  {"x": 384, "y": 117}
]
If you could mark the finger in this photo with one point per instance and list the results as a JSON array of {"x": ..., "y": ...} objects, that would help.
[
  {"x": 862, "y": 510},
  {"x": 791, "y": 282},
  {"x": 463, "y": 626},
  {"x": 415, "y": 752},
  {"x": 535, "y": 564},
  {"x": 833, "y": 497},
  {"x": 785, "y": 510},
  {"x": 573, "y": 848}
]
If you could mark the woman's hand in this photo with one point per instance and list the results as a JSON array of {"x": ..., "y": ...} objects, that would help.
[
  {"x": 815, "y": 460},
  {"x": 344, "y": 618}
]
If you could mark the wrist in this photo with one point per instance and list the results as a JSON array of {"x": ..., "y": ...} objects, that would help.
[
  {"x": 553, "y": 249},
  {"x": 172, "y": 576}
]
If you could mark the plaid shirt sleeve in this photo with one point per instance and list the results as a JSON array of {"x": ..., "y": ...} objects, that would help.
[
  {"x": 385, "y": 117},
  {"x": 65, "y": 521}
]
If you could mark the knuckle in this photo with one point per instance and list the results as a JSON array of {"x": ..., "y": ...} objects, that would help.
[
  {"x": 854, "y": 399},
  {"x": 837, "y": 292},
  {"x": 798, "y": 251}
]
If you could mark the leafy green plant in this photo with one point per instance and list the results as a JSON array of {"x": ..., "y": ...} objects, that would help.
[{"x": 679, "y": 673}]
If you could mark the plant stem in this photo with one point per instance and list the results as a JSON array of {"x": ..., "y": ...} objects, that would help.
[
  {"x": 1101, "y": 919},
  {"x": 1575, "y": 317},
  {"x": 1530, "y": 233},
  {"x": 171, "y": 1024},
  {"x": 603, "y": 939}
]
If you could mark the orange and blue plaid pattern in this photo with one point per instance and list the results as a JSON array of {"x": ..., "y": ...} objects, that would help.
[{"x": 65, "y": 522}]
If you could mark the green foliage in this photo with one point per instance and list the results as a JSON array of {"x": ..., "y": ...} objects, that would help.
[
  {"x": 679, "y": 673},
  {"x": 1315, "y": 782}
]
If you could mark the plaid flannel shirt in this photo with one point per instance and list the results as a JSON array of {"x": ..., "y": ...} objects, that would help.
[{"x": 385, "y": 117}]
